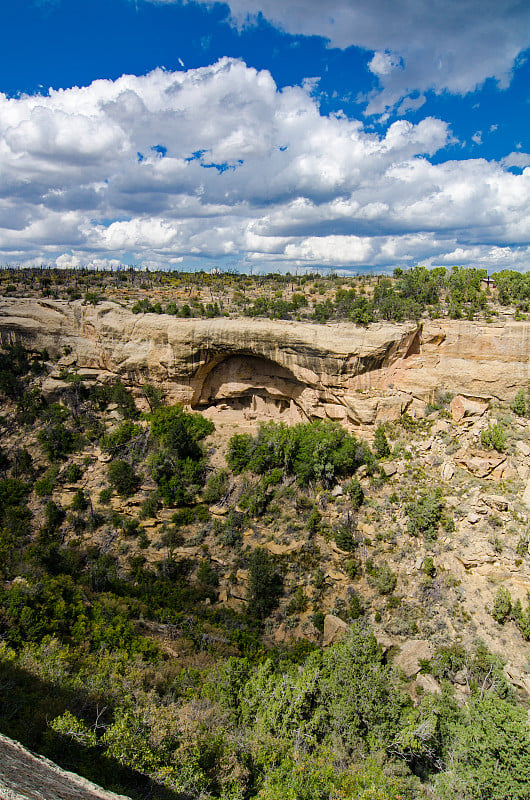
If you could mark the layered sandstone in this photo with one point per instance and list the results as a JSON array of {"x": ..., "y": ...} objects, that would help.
[{"x": 288, "y": 369}]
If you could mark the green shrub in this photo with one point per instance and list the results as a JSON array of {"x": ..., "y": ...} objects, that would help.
[
  {"x": 153, "y": 395},
  {"x": 502, "y": 606},
  {"x": 22, "y": 463},
  {"x": 254, "y": 500},
  {"x": 355, "y": 493},
  {"x": 215, "y": 487},
  {"x": 129, "y": 438},
  {"x": 314, "y": 521},
  {"x": 14, "y": 521},
  {"x": 13, "y": 492},
  {"x": 381, "y": 577},
  {"x": 490, "y": 752},
  {"x": 150, "y": 505},
  {"x": 119, "y": 394},
  {"x": 493, "y": 438},
  {"x": 14, "y": 364},
  {"x": 265, "y": 583},
  {"x": 143, "y": 539},
  {"x": 318, "y": 578},
  {"x": 44, "y": 486},
  {"x": 123, "y": 478},
  {"x": 352, "y": 568},
  {"x": 298, "y": 601},
  {"x": 105, "y": 496},
  {"x": 79, "y": 501},
  {"x": 381, "y": 446},
  {"x": 361, "y": 705},
  {"x": 92, "y": 298},
  {"x": 318, "y": 620},
  {"x": 54, "y": 515},
  {"x": 230, "y": 531},
  {"x": 344, "y": 539},
  {"x": 521, "y": 617},
  {"x": 356, "y": 608},
  {"x": 73, "y": 473},
  {"x": 518, "y": 404},
  {"x": 424, "y": 515},
  {"x": 207, "y": 575},
  {"x": 178, "y": 466},
  {"x": 428, "y": 567},
  {"x": 240, "y": 452},
  {"x": 58, "y": 441},
  {"x": 313, "y": 451}
]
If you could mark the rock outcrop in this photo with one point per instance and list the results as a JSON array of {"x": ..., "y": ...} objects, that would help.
[
  {"x": 478, "y": 360},
  {"x": 26, "y": 776},
  {"x": 290, "y": 370},
  {"x": 293, "y": 369}
]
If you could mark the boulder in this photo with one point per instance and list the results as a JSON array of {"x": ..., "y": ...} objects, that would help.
[
  {"x": 465, "y": 407},
  {"x": 517, "y": 677},
  {"x": 25, "y": 775},
  {"x": 525, "y": 499},
  {"x": 335, "y": 629},
  {"x": 447, "y": 470},
  {"x": 480, "y": 463},
  {"x": 335, "y": 575},
  {"x": 361, "y": 410},
  {"x": 523, "y": 448},
  {"x": 282, "y": 549},
  {"x": 428, "y": 684},
  {"x": 496, "y": 501},
  {"x": 218, "y": 511},
  {"x": 410, "y": 654}
]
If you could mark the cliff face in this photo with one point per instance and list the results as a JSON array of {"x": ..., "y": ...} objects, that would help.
[
  {"x": 471, "y": 358},
  {"x": 287, "y": 369}
]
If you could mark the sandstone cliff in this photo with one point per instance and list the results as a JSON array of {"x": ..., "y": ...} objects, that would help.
[{"x": 287, "y": 369}]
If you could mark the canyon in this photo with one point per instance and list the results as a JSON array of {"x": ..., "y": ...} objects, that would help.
[
  {"x": 280, "y": 369},
  {"x": 440, "y": 387}
]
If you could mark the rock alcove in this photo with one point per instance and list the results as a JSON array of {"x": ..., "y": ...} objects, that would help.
[{"x": 249, "y": 383}]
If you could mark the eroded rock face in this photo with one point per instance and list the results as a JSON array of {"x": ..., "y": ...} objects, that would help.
[
  {"x": 288, "y": 370},
  {"x": 476, "y": 359},
  {"x": 300, "y": 370},
  {"x": 26, "y": 776}
]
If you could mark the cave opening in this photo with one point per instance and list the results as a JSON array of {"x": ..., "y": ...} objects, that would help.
[{"x": 249, "y": 383}]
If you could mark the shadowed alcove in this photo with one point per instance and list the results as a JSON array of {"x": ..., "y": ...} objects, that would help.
[{"x": 248, "y": 382}]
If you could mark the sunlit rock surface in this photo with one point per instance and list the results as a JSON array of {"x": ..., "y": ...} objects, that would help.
[{"x": 280, "y": 369}]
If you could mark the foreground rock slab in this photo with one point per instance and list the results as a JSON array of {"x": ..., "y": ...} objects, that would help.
[{"x": 26, "y": 776}]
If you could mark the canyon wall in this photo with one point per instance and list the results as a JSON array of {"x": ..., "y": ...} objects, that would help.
[{"x": 290, "y": 370}]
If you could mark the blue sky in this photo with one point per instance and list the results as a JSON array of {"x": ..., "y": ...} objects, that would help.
[{"x": 265, "y": 135}]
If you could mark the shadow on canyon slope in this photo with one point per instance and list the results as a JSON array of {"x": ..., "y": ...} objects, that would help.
[{"x": 27, "y": 704}]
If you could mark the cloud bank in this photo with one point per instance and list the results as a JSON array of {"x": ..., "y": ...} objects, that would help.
[
  {"x": 418, "y": 45},
  {"x": 218, "y": 165}
]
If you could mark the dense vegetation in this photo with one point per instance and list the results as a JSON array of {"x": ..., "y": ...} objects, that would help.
[
  {"x": 316, "y": 451},
  {"x": 89, "y": 624},
  {"x": 410, "y": 294}
]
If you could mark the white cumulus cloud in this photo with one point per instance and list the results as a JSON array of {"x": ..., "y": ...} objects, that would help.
[
  {"x": 452, "y": 45},
  {"x": 217, "y": 163}
]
